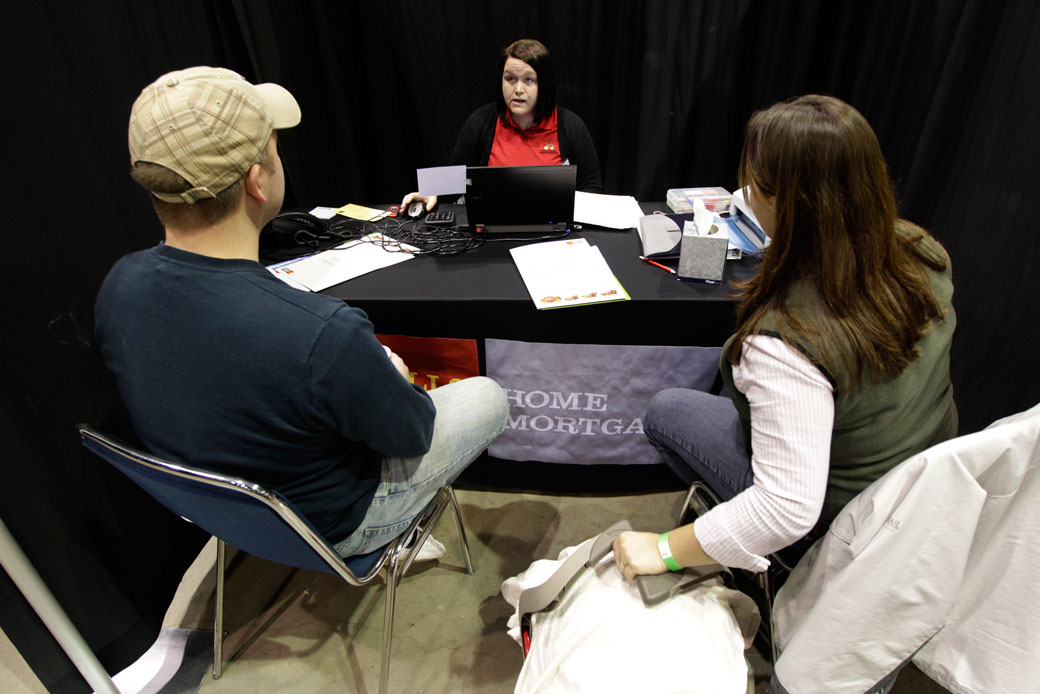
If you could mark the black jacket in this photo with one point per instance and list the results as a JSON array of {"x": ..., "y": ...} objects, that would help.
[{"x": 473, "y": 148}]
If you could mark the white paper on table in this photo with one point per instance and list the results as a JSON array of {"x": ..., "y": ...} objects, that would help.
[
  {"x": 566, "y": 273},
  {"x": 322, "y": 212},
  {"x": 342, "y": 263},
  {"x": 612, "y": 211}
]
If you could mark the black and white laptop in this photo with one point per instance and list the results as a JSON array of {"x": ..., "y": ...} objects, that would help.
[{"x": 520, "y": 199}]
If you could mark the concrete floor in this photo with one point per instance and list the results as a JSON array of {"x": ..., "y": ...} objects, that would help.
[{"x": 301, "y": 631}]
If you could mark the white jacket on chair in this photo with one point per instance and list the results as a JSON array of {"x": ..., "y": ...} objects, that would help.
[{"x": 941, "y": 554}]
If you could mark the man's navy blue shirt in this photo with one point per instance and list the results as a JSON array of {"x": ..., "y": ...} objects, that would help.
[{"x": 225, "y": 367}]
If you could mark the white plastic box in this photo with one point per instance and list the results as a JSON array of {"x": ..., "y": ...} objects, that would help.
[{"x": 680, "y": 200}]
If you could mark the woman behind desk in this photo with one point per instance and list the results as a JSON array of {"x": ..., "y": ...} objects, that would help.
[
  {"x": 839, "y": 367},
  {"x": 525, "y": 127}
]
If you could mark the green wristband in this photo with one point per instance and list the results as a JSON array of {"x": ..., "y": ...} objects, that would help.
[{"x": 666, "y": 553}]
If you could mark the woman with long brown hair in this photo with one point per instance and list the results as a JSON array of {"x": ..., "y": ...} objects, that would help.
[{"x": 839, "y": 366}]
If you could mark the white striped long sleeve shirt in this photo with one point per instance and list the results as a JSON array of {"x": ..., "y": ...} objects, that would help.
[{"x": 792, "y": 417}]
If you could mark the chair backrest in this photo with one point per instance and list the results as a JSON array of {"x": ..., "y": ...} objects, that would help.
[{"x": 239, "y": 512}]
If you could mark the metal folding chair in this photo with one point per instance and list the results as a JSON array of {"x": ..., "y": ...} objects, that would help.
[
  {"x": 262, "y": 523},
  {"x": 700, "y": 499}
]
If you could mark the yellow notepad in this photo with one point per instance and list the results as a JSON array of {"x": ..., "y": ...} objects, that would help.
[{"x": 365, "y": 214}]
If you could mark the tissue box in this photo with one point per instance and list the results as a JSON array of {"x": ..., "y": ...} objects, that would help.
[
  {"x": 680, "y": 200},
  {"x": 702, "y": 258}
]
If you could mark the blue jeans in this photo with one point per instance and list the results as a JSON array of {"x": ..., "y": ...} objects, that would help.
[
  {"x": 470, "y": 414},
  {"x": 699, "y": 437}
]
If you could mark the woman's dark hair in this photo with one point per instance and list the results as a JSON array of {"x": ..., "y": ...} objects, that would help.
[
  {"x": 837, "y": 236},
  {"x": 537, "y": 56}
]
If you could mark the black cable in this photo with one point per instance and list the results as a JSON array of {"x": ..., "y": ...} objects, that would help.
[
  {"x": 438, "y": 240},
  {"x": 394, "y": 236},
  {"x": 428, "y": 239}
]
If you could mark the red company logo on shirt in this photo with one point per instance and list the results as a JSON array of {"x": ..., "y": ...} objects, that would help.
[{"x": 549, "y": 147}]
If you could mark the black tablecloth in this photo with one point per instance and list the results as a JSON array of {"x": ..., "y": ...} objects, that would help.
[{"x": 480, "y": 294}]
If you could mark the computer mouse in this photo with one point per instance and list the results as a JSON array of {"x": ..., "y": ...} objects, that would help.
[{"x": 416, "y": 209}]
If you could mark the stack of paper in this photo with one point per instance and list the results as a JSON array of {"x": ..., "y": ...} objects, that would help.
[
  {"x": 567, "y": 273},
  {"x": 344, "y": 262},
  {"x": 611, "y": 211}
]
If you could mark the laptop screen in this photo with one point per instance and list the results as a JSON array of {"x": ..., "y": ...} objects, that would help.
[{"x": 519, "y": 199}]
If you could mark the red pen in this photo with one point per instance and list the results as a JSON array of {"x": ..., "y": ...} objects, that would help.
[{"x": 655, "y": 264}]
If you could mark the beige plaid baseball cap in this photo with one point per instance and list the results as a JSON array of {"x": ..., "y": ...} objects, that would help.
[{"x": 207, "y": 124}]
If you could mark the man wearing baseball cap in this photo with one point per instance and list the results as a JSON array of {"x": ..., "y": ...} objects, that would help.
[{"x": 225, "y": 367}]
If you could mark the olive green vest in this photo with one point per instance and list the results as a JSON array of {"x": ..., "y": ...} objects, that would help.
[{"x": 877, "y": 425}]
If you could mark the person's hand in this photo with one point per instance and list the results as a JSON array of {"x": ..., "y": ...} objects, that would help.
[
  {"x": 636, "y": 554},
  {"x": 430, "y": 202},
  {"x": 398, "y": 363}
]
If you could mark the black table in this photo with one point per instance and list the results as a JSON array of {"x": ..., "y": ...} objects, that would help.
[{"x": 480, "y": 294}]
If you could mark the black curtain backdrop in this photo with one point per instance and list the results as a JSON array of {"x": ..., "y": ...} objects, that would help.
[{"x": 951, "y": 87}]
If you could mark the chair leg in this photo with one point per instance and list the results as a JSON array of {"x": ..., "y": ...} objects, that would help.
[
  {"x": 684, "y": 508},
  {"x": 767, "y": 589},
  {"x": 218, "y": 619},
  {"x": 392, "y": 578},
  {"x": 700, "y": 498},
  {"x": 461, "y": 528}
]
